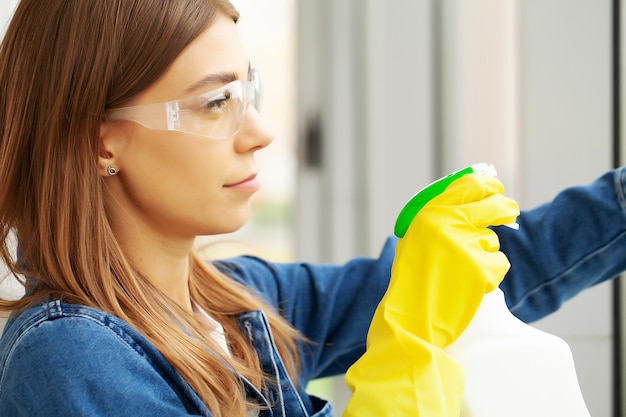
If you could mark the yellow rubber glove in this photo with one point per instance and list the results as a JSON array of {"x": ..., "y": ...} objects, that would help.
[{"x": 447, "y": 260}]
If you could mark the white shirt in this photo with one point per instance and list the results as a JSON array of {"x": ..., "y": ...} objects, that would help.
[
  {"x": 218, "y": 335},
  {"x": 218, "y": 331}
]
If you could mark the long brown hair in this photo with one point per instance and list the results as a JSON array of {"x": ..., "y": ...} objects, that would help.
[{"x": 62, "y": 64}]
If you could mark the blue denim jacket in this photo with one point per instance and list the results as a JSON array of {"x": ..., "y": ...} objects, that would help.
[{"x": 59, "y": 359}]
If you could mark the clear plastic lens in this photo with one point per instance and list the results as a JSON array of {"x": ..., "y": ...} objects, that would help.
[
  {"x": 217, "y": 114},
  {"x": 255, "y": 78}
]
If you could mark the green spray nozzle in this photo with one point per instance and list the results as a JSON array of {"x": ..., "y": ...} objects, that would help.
[{"x": 419, "y": 200}]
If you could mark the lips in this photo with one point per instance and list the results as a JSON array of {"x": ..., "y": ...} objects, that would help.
[
  {"x": 250, "y": 184},
  {"x": 235, "y": 184}
]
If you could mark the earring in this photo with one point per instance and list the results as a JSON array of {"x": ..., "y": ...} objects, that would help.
[{"x": 111, "y": 171}]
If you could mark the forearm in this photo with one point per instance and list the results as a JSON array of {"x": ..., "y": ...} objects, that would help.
[{"x": 563, "y": 247}]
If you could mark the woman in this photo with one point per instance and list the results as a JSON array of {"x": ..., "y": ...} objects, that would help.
[{"x": 129, "y": 127}]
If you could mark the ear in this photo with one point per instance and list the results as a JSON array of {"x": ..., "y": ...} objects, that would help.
[{"x": 110, "y": 149}]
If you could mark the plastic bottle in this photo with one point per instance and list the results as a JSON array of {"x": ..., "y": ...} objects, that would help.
[{"x": 511, "y": 369}]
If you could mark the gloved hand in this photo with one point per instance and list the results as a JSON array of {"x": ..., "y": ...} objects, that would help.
[{"x": 447, "y": 260}]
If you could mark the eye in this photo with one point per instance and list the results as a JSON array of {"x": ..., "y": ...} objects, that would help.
[{"x": 218, "y": 104}]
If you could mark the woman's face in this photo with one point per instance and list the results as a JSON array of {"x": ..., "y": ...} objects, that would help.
[{"x": 182, "y": 184}]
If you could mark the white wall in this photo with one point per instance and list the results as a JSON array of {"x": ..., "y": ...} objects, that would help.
[
  {"x": 370, "y": 85},
  {"x": 6, "y": 9}
]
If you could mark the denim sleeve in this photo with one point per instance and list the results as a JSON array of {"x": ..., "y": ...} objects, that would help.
[
  {"x": 77, "y": 366},
  {"x": 565, "y": 246},
  {"x": 331, "y": 305}
]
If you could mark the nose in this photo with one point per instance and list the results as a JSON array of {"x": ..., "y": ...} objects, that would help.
[{"x": 254, "y": 134}]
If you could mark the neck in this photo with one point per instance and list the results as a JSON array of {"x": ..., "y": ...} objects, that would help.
[
  {"x": 166, "y": 269},
  {"x": 163, "y": 260}
]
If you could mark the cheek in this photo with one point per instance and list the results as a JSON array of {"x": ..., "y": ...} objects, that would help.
[
  {"x": 179, "y": 167},
  {"x": 177, "y": 183}
]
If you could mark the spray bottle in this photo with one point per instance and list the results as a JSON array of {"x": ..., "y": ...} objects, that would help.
[{"x": 511, "y": 369}]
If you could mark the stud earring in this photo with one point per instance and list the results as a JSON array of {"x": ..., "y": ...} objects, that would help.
[{"x": 111, "y": 171}]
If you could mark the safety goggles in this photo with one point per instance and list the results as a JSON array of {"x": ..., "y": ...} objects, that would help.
[{"x": 216, "y": 114}]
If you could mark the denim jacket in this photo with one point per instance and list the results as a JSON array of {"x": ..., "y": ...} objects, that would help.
[{"x": 59, "y": 359}]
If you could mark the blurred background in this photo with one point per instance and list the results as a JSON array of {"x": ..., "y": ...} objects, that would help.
[{"x": 371, "y": 100}]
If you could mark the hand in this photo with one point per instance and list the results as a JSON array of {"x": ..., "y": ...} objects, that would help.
[{"x": 447, "y": 260}]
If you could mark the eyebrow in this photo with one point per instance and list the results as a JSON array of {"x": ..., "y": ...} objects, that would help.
[{"x": 211, "y": 79}]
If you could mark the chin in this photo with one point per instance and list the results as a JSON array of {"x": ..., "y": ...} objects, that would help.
[
  {"x": 234, "y": 228},
  {"x": 229, "y": 225}
]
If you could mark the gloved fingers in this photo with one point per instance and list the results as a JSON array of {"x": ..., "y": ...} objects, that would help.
[
  {"x": 488, "y": 240},
  {"x": 462, "y": 249},
  {"x": 481, "y": 272},
  {"x": 480, "y": 199},
  {"x": 449, "y": 258},
  {"x": 497, "y": 268},
  {"x": 492, "y": 210},
  {"x": 443, "y": 286},
  {"x": 468, "y": 188},
  {"x": 448, "y": 318}
]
